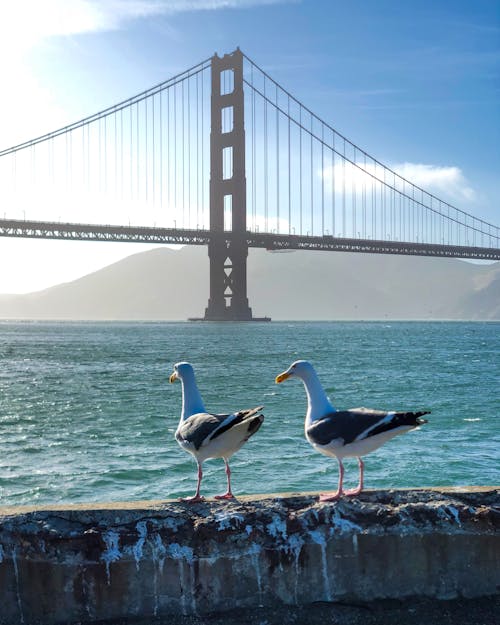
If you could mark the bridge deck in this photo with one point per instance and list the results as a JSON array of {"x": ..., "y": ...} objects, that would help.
[{"x": 269, "y": 241}]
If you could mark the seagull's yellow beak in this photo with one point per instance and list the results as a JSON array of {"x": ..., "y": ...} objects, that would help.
[
  {"x": 174, "y": 377},
  {"x": 282, "y": 376}
]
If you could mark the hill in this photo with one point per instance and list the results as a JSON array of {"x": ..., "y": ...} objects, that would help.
[{"x": 166, "y": 284}]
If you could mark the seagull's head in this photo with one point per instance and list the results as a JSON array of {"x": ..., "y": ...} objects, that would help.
[
  {"x": 181, "y": 369},
  {"x": 298, "y": 369}
]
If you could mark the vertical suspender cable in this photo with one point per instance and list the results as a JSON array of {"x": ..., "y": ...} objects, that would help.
[
  {"x": 343, "y": 194},
  {"x": 175, "y": 155},
  {"x": 364, "y": 198},
  {"x": 116, "y": 157},
  {"x": 266, "y": 206},
  {"x": 189, "y": 149},
  {"x": 131, "y": 143},
  {"x": 312, "y": 180},
  {"x": 197, "y": 151},
  {"x": 253, "y": 186},
  {"x": 289, "y": 174},
  {"x": 322, "y": 179},
  {"x": 183, "y": 153},
  {"x": 161, "y": 151},
  {"x": 168, "y": 155},
  {"x": 277, "y": 165},
  {"x": 121, "y": 156},
  {"x": 99, "y": 175},
  {"x": 333, "y": 183},
  {"x": 353, "y": 195},
  {"x": 66, "y": 164},
  {"x": 138, "y": 154},
  {"x": 153, "y": 159},
  {"x": 145, "y": 168},
  {"x": 300, "y": 167},
  {"x": 105, "y": 154}
]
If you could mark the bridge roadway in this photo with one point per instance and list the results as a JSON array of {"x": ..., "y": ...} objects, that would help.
[{"x": 269, "y": 241}]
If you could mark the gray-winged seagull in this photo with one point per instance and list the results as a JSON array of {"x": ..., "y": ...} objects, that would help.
[
  {"x": 346, "y": 433},
  {"x": 206, "y": 435}
]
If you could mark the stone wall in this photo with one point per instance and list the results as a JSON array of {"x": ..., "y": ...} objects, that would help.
[{"x": 85, "y": 563}]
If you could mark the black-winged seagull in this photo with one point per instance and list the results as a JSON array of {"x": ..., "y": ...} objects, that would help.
[
  {"x": 346, "y": 433},
  {"x": 206, "y": 435}
]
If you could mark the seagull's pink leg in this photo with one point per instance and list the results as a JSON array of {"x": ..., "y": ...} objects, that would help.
[
  {"x": 229, "y": 494},
  {"x": 359, "y": 488},
  {"x": 335, "y": 496},
  {"x": 196, "y": 497}
]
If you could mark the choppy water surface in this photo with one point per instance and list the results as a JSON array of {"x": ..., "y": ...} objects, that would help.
[{"x": 87, "y": 412}]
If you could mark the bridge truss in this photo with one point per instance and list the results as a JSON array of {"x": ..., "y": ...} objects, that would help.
[{"x": 269, "y": 241}]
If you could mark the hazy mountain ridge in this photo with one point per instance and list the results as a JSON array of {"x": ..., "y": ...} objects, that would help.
[{"x": 165, "y": 284}]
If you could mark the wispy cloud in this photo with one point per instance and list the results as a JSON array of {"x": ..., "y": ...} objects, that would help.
[
  {"x": 25, "y": 23},
  {"x": 448, "y": 182}
]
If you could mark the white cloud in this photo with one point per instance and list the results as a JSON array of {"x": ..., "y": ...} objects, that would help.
[
  {"x": 344, "y": 172},
  {"x": 448, "y": 182}
]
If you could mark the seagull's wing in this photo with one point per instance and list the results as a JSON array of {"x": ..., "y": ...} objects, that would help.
[
  {"x": 237, "y": 418},
  {"x": 359, "y": 423},
  {"x": 198, "y": 427},
  {"x": 201, "y": 428}
]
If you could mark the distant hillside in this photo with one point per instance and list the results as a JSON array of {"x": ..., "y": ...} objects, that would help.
[{"x": 165, "y": 284}]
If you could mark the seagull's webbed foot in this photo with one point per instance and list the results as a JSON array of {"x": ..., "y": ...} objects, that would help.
[
  {"x": 359, "y": 487},
  {"x": 193, "y": 499},
  {"x": 339, "y": 492},
  {"x": 330, "y": 496},
  {"x": 353, "y": 491},
  {"x": 228, "y": 495},
  {"x": 196, "y": 498}
]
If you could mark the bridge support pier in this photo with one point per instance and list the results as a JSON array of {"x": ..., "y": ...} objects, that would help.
[{"x": 228, "y": 248}]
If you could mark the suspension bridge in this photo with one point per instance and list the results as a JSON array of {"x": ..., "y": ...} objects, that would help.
[{"x": 221, "y": 155}]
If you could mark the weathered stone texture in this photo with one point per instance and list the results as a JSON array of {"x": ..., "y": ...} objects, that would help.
[{"x": 148, "y": 559}]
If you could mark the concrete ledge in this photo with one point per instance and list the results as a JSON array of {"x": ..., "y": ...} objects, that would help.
[{"x": 152, "y": 559}]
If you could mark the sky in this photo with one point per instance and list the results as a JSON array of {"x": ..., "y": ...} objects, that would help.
[{"x": 416, "y": 84}]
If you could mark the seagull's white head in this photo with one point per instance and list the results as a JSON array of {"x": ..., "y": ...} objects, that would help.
[
  {"x": 299, "y": 369},
  {"x": 181, "y": 371},
  {"x": 192, "y": 402},
  {"x": 318, "y": 403}
]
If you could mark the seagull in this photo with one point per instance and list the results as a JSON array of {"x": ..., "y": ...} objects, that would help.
[
  {"x": 206, "y": 435},
  {"x": 346, "y": 433}
]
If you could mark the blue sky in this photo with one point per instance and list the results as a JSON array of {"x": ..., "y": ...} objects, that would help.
[{"x": 413, "y": 83}]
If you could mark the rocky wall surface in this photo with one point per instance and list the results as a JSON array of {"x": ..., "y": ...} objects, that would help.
[{"x": 86, "y": 563}]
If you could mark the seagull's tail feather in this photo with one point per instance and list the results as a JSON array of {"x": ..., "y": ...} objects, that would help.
[
  {"x": 250, "y": 412},
  {"x": 254, "y": 422},
  {"x": 411, "y": 418},
  {"x": 245, "y": 420}
]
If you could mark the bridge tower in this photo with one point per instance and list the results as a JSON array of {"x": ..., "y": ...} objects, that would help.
[{"x": 228, "y": 248}]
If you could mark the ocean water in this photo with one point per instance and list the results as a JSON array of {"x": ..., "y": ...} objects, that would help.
[{"x": 87, "y": 412}]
